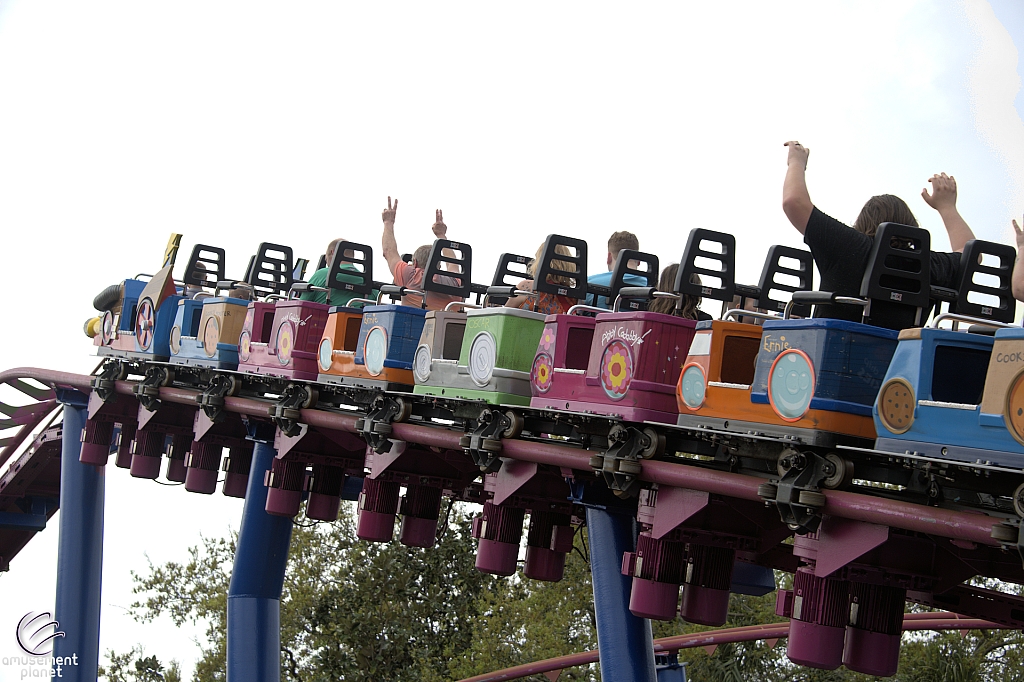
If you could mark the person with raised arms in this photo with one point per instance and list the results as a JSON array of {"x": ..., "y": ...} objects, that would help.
[{"x": 841, "y": 252}]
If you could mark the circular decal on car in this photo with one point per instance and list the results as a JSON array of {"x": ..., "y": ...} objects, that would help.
[
  {"x": 791, "y": 384},
  {"x": 325, "y": 354},
  {"x": 211, "y": 336},
  {"x": 375, "y": 350},
  {"x": 175, "y": 339},
  {"x": 693, "y": 386},
  {"x": 145, "y": 322},
  {"x": 285, "y": 342},
  {"x": 542, "y": 372},
  {"x": 896, "y": 405},
  {"x": 1014, "y": 413},
  {"x": 421, "y": 363},
  {"x": 244, "y": 347},
  {"x": 616, "y": 369},
  {"x": 482, "y": 354}
]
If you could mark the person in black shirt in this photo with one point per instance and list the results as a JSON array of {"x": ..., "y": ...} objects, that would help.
[{"x": 841, "y": 252}]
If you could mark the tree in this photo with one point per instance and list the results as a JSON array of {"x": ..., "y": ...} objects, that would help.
[
  {"x": 349, "y": 610},
  {"x": 135, "y": 666},
  {"x": 527, "y": 620},
  {"x": 352, "y": 610}
]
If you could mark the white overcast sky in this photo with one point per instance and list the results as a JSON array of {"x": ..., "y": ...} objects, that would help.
[{"x": 236, "y": 123}]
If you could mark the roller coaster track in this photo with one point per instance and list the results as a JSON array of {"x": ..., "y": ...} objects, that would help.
[
  {"x": 953, "y": 544},
  {"x": 954, "y": 525},
  {"x": 30, "y": 475},
  {"x": 552, "y": 667}
]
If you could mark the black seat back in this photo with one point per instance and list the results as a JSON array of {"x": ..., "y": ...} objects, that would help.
[
  {"x": 898, "y": 276},
  {"x": 271, "y": 270},
  {"x": 205, "y": 266},
  {"x": 988, "y": 301},
  {"x": 717, "y": 264},
  {"x": 454, "y": 281},
  {"x": 774, "y": 268},
  {"x": 511, "y": 270},
  {"x": 359, "y": 261},
  {"x": 569, "y": 277},
  {"x": 322, "y": 263},
  {"x": 647, "y": 268}
]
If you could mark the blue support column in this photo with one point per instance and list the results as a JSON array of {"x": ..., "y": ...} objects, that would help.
[
  {"x": 254, "y": 595},
  {"x": 625, "y": 641},
  {"x": 80, "y": 549}
]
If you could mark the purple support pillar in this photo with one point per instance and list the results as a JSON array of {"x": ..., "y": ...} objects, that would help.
[
  {"x": 80, "y": 549},
  {"x": 325, "y": 485},
  {"x": 547, "y": 543},
  {"x": 125, "y": 444},
  {"x": 147, "y": 453},
  {"x": 499, "y": 529},
  {"x": 179, "y": 449},
  {"x": 202, "y": 466},
  {"x": 285, "y": 482},
  {"x": 420, "y": 510},
  {"x": 378, "y": 505},
  {"x": 254, "y": 609},
  {"x": 817, "y": 626},
  {"x": 236, "y": 470},
  {"x": 657, "y": 570},
  {"x": 706, "y": 588},
  {"x": 625, "y": 641},
  {"x": 875, "y": 628}
]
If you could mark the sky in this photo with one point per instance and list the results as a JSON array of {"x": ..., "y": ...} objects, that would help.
[{"x": 233, "y": 124}]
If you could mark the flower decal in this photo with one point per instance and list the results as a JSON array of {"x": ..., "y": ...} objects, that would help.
[
  {"x": 285, "y": 342},
  {"x": 542, "y": 373},
  {"x": 547, "y": 339},
  {"x": 616, "y": 369}
]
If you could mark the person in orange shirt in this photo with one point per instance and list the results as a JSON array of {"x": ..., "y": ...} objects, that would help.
[{"x": 411, "y": 274}]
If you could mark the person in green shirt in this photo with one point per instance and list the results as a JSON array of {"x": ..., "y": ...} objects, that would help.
[{"x": 319, "y": 279}]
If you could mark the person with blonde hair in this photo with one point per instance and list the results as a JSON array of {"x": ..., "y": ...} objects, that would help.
[
  {"x": 688, "y": 308},
  {"x": 543, "y": 302}
]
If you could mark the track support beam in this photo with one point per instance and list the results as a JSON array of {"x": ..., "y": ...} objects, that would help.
[
  {"x": 254, "y": 594},
  {"x": 625, "y": 641},
  {"x": 80, "y": 549}
]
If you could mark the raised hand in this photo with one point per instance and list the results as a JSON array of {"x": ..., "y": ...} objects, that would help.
[
  {"x": 797, "y": 153},
  {"x": 388, "y": 214},
  {"x": 439, "y": 228},
  {"x": 943, "y": 194},
  {"x": 1018, "y": 232}
]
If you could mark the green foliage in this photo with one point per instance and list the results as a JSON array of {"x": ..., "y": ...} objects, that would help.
[
  {"x": 349, "y": 610},
  {"x": 352, "y": 610},
  {"x": 525, "y": 620},
  {"x": 135, "y": 666}
]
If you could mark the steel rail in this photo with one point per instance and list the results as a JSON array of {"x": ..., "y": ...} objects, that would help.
[
  {"x": 911, "y": 622},
  {"x": 965, "y": 526}
]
